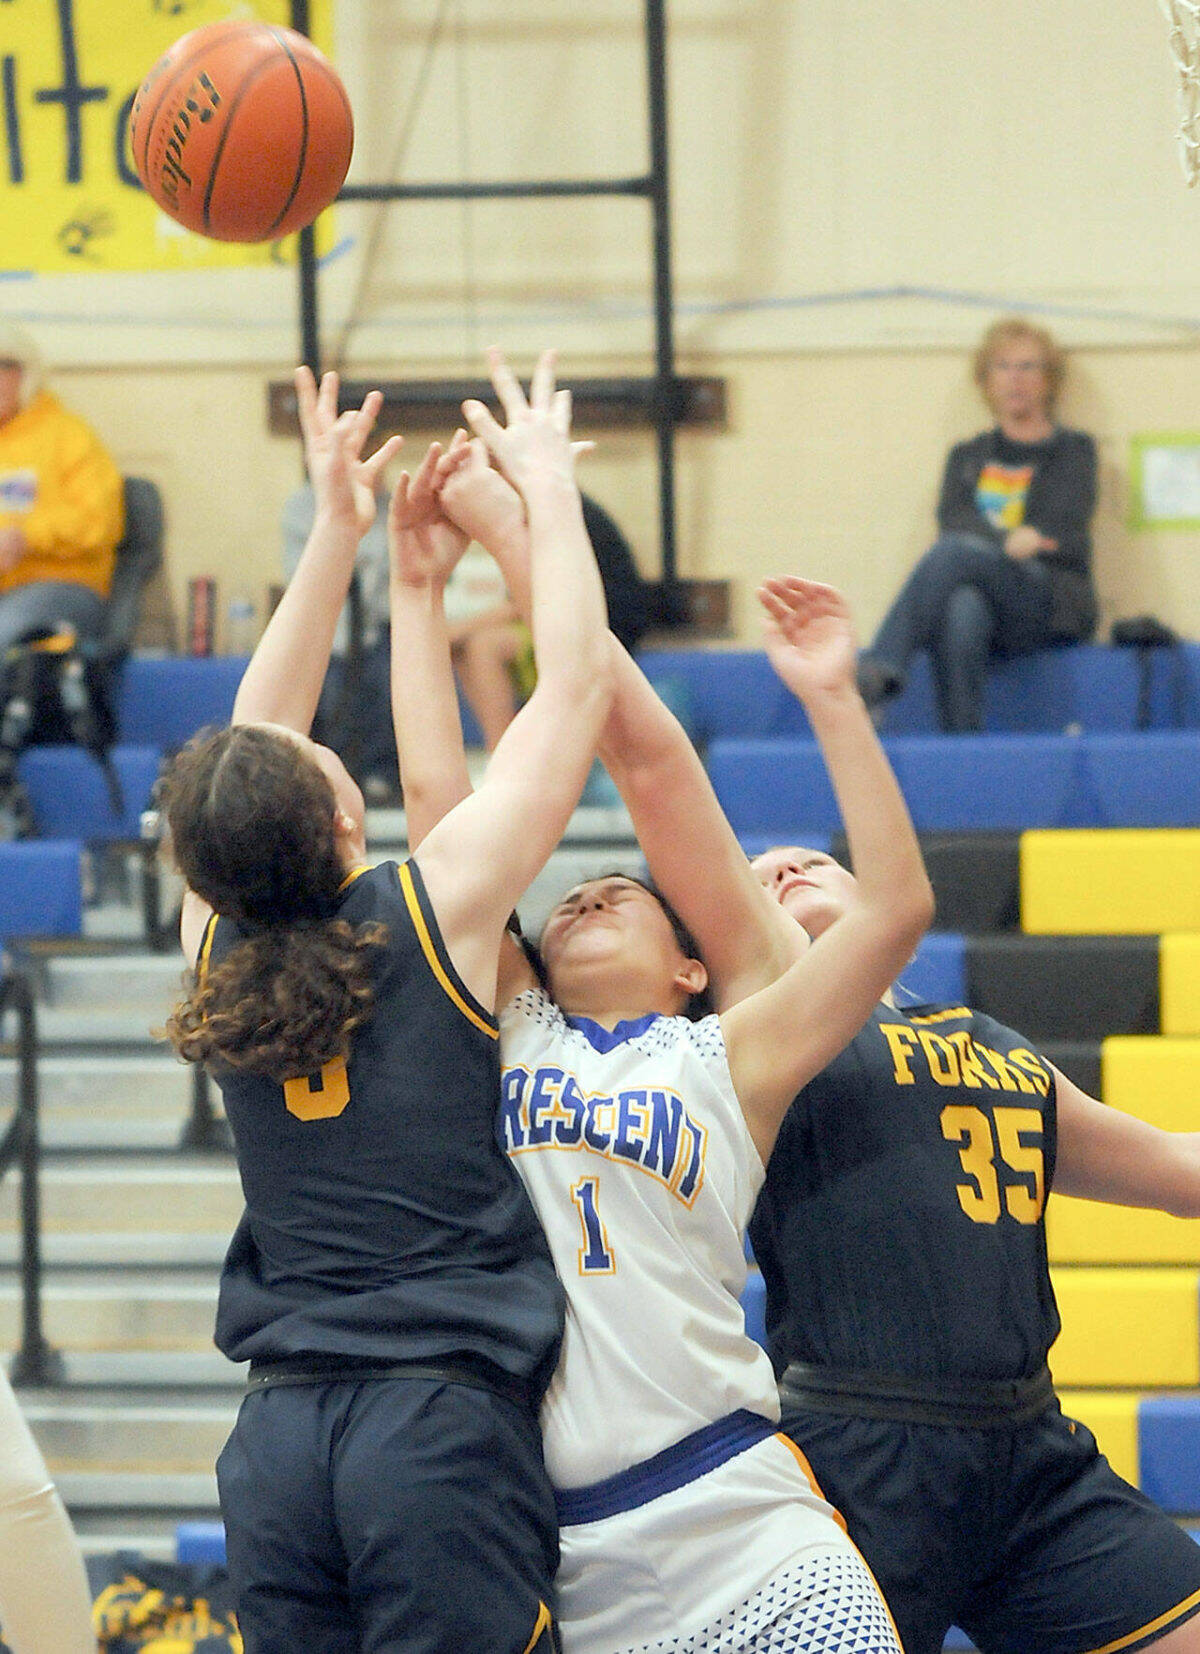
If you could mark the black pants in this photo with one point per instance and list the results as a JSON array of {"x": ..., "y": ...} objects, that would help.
[
  {"x": 391, "y": 1516},
  {"x": 965, "y": 601}
]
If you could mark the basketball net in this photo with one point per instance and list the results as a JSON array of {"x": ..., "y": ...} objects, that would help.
[{"x": 1184, "y": 18}]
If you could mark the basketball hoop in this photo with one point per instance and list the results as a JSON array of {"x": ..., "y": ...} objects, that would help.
[{"x": 1184, "y": 18}]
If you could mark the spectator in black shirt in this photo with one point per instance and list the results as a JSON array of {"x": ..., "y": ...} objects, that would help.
[{"x": 1010, "y": 571}]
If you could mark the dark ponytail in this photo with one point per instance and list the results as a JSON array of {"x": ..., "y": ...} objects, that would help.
[{"x": 251, "y": 820}]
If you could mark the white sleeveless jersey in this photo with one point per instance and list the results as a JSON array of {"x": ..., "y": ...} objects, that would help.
[{"x": 635, "y": 1152}]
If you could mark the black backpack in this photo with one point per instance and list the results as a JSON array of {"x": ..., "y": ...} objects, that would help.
[{"x": 52, "y": 693}]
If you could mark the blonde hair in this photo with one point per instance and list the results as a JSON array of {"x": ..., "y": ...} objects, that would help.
[{"x": 1004, "y": 332}]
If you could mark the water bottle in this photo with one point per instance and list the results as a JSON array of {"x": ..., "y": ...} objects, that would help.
[{"x": 240, "y": 625}]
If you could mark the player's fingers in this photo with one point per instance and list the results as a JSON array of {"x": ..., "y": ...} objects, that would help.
[
  {"x": 560, "y": 411},
  {"x": 427, "y": 471},
  {"x": 541, "y": 389},
  {"x": 327, "y": 396},
  {"x": 482, "y": 423},
  {"x": 380, "y": 458},
  {"x": 506, "y": 384}
]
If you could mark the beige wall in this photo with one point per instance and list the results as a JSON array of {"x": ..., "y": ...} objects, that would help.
[
  {"x": 829, "y": 465},
  {"x": 856, "y": 192}
]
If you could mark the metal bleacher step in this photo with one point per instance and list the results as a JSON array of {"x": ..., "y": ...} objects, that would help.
[
  {"x": 102, "y": 1100},
  {"x": 122, "y": 1194},
  {"x": 124, "y": 1249},
  {"x": 117, "y": 1433},
  {"x": 127, "y": 1309}
]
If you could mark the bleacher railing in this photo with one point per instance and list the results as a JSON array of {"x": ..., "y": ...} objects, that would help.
[{"x": 35, "y": 1362}]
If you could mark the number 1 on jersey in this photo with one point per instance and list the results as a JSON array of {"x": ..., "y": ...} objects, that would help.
[{"x": 594, "y": 1255}]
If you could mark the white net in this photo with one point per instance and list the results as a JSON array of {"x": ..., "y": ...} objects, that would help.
[{"x": 1184, "y": 18}]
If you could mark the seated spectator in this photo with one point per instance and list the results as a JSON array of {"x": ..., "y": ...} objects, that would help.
[
  {"x": 1010, "y": 571},
  {"x": 61, "y": 506}
]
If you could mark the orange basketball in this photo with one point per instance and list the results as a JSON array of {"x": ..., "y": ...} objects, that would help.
[{"x": 242, "y": 131}]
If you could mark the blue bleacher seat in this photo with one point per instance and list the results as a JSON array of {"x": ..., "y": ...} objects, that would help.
[
  {"x": 754, "y": 1306},
  {"x": 938, "y": 973},
  {"x": 1085, "y": 686},
  {"x": 1169, "y": 1451},
  {"x": 70, "y": 796},
  {"x": 200, "y": 1542},
  {"x": 775, "y": 788},
  {"x": 40, "y": 889},
  {"x": 998, "y": 782},
  {"x": 778, "y": 788},
  {"x": 164, "y": 700},
  {"x": 1147, "y": 779}
]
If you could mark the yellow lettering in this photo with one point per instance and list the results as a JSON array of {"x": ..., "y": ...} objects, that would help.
[
  {"x": 901, "y": 1041},
  {"x": 974, "y": 1074},
  {"x": 319, "y": 1102},
  {"x": 1034, "y": 1067},
  {"x": 969, "y": 1126},
  {"x": 1010, "y": 1078},
  {"x": 942, "y": 1058},
  {"x": 1024, "y": 1204}
]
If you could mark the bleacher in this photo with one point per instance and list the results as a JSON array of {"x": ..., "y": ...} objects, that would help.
[{"x": 1064, "y": 846}]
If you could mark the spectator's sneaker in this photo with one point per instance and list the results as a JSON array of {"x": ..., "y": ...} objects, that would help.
[{"x": 877, "y": 682}]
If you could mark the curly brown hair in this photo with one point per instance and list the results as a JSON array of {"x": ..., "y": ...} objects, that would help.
[{"x": 251, "y": 820}]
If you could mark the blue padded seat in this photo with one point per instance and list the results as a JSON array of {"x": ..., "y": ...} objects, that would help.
[
  {"x": 996, "y": 782},
  {"x": 41, "y": 892},
  {"x": 778, "y": 788},
  {"x": 70, "y": 796},
  {"x": 938, "y": 973},
  {"x": 164, "y": 701},
  {"x": 200, "y": 1542},
  {"x": 1090, "y": 686},
  {"x": 754, "y": 1307},
  {"x": 1147, "y": 779},
  {"x": 774, "y": 788},
  {"x": 1169, "y": 1451}
]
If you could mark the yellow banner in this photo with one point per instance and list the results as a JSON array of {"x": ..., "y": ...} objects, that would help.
[{"x": 69, "y": 196}]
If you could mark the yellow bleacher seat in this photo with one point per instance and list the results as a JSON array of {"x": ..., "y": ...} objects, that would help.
[
  {"x": 1127, "y": 1327},
  {"x": 1110, "y": 881},
  {"x": 1154, "y": 1077},
  {"x": 1112, "y": 1417},
  {"x": 1088, "y": 1231},
  {"x": 1179, "y": 983}
]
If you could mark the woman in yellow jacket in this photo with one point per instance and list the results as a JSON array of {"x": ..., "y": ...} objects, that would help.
[{"x": 61, "y": 505}]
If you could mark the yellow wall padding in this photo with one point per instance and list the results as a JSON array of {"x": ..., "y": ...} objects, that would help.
[
  {"x": 1112, "y": 1417},
  {"x": 1179, "y": 983},
  {"x": 1118, "y": 881},
  {"x": 1156, "y": 1078},
  {"x": 1088, "y": 1231},
  {"x": 1129, "y": 1326}
]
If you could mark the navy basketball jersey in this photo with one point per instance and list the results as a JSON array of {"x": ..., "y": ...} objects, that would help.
[
  {"x": 900, "y": 1226},
  {"x": 382, "y": 1220}
]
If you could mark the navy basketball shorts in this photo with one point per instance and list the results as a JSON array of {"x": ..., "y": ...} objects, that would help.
[
  {"x": 372, "y": 1516},
  {"x": 1025, "y": 1538}
]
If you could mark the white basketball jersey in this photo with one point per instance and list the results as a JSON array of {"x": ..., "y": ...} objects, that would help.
[{"x": 635, "y": 1152}]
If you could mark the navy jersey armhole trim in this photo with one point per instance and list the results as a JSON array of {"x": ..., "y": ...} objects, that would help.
[{"x": 424, "y": 920}]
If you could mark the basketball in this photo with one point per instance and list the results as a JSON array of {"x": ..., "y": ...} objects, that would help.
[{"x": 242, "y": 131}]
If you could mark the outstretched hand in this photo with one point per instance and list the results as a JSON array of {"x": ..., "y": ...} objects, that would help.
[
  {"x": 475, "y": 496},
  {"x": 423, "y": 542},
  {"x": 809, "y": 636},
  {"x": 536, "y": 440},
  {"x": 344, "y": 483}
]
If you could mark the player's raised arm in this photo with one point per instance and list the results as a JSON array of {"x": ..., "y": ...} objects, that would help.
[
  {"x": 480, "y": 858},
  {"x": 679, "y": 824},
  {"x": 783, "y": 1035},
  {"x": 282, "y": 683},
  {"x": 424, "y": 547}
]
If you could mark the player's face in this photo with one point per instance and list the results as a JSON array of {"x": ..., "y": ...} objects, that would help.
[
  {"x": 608, "y": 922},
  {"x": 10, "y": 390},
  {"x": 1017, "y": 384},
  {"x": 811, "y": 886}
]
